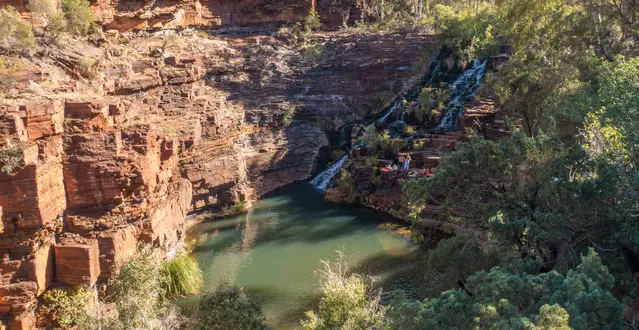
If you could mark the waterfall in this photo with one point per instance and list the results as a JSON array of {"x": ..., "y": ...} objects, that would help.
[
  {"x": 322, "y": 180},
  {"x": 391, "y": 110},
  {"x": 463, "y": 89},
  {"x": 433, "y": 73}
]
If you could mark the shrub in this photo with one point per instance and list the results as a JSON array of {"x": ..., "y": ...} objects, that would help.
[
  {"x": 346, "y": 184},
  {"x": 15, "y": 34},
  {"x": 312, "y": 21},
  {"x": 173, "y": 41},
  {"x": 11, "y": 157},
  {"x": 9, "y": 69},
  {"x": 55, "y": 20},
  {"x": 69, "y": 308},
  {"x": 287, "y": 118},
  {"x": 78, "y": 15},
  {"x": 87, "y": 67},
  {"x": 229, "y": 307},
  {"x": 347, "y": 301},
  {"x": 181, "y": 275},
  {"x": 313, "y": 52},
  {"x": 139, "y": 296}
]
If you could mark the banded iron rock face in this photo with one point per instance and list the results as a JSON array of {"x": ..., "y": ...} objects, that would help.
[
  {"x": 123, "y": 158},
  {"x": 123, "y": 15}
]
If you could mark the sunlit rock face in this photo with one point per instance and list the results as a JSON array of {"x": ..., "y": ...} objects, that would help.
[{"x": 159, "y": 132}]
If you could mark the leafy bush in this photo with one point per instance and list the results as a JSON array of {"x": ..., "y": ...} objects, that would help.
[
  {"x": 301, "y": 31},
  {"x": 181, "y": 275},
  {"x": 9, "y": 69},
  {"x": 174, "y": 42},
  {"x": 11, "y": 157},
  {"x": 467, "y": 32},
  {"x": 347, "y": 301},
  {"x": 72, "y": 307},
  {"x": 229, "y": 307},
  {"x": 55, "y": 19},
  {"x": 15, "y": 34},
  {"x": 432, "y": 102},
  {"x": 139, "y": 295},
  {"x": 505, "y": 299},
  {"x": 138, "y": 298},
  {"x": 78, "y": 15},
  {"x": 87, "y": 67},
  {"x": 287, "y": 118},
  {"x": 312, "y": 21},
  {"x": 346, "y": 184}
]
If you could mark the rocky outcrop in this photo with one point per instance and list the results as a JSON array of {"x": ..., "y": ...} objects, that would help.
[
  {"x": 122, "y": 15},
  {"x": 163, "y": 130}
]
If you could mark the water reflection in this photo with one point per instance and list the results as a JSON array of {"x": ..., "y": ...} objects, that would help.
[{"x": 273, "y": 250}]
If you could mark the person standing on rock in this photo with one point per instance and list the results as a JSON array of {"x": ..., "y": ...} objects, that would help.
[{"x": 407, "y": 162}]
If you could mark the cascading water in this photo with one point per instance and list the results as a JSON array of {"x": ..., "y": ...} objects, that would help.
[
  {"x": 463, "y": 89},
  {"x": 322, "y": 180},
  {"x": 391, "y": 110}
]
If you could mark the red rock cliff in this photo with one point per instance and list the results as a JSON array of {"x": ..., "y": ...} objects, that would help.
[{"x": 162, "y": 130}]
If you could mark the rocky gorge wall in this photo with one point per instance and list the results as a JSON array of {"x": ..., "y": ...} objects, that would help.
[
  {"x": 164, "y": 124},
  {"x": 126, "y": 15}
]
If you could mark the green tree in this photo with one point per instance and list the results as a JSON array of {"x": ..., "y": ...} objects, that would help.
[
  {"x": 15, "y": 34},
  {"x": 347, "y": 301},
  {"x": 229, "y": 307},
  {"x": 78, "y": 15},
  {"x": 503, "y": 299}
]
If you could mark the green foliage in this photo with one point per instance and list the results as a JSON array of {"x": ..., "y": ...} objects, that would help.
[
  {"x": 379, "y": 143},
  {"x": 535, "y": 194},
  {"x": 72, "y": 307},
  {"x": 15, "y": 34},
  {"x": 312, "y": 21},
  {"x": 181, "y": 275},
  {"x": 78, "y": 15},
  {"x": 287, "y": 118},
  {"x": 313, "y": 52},
  {"x": 346, "y": 184},
  {"x": 137, "y": 300},
  {"x": 10, "y": 68},
  {"x": 301, "y": 31},
  {"x": 55, "y": 19},
  {"x": 11, "y": 157},
  {"x": 456, "y": 258},
  {"x": 505, "y": 300},
  {"x": 432, "y": 102},
  {"x": 173, "y": 42},
  {"x": 469, "y": 33},
  {"x": 87, "y": 67},
  {"x": 347, "y": 301},
  {"x": 229, "y": 307},
  {"x": 238, "y": 208},
  {"x": 139, "y": 296}
]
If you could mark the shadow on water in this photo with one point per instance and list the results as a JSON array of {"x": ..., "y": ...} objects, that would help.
[{"x": 274, "y": 250}]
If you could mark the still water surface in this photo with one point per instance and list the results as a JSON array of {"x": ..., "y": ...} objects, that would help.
[{"x": 274, "y": 250}]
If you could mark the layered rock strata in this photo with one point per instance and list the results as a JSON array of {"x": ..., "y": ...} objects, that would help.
[{"x": 167, "y": 125}]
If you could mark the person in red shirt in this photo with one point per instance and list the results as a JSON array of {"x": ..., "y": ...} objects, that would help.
[{"x": 428, "y": 173}]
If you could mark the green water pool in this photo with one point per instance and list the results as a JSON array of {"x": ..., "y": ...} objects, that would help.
[{"x": 274, "y": 250}]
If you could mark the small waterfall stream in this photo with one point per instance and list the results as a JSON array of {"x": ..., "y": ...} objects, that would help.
[
  {"x": 463, "y": 89},
  {"x": 322, "y": 180}
]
